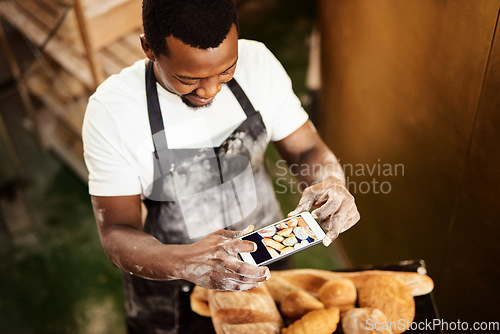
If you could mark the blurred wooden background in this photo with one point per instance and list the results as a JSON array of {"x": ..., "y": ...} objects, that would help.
[
  {"x": 417, "y": 82},
  {"x": 409, "y": 102}
]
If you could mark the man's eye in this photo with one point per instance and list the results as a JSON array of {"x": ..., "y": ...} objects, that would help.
[{"x": 188, "y": 83}]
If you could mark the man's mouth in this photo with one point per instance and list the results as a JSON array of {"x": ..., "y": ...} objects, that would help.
[{"x": 194, "y": 100}]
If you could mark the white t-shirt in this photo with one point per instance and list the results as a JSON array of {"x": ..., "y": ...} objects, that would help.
[{"x": 116, "y": 133}]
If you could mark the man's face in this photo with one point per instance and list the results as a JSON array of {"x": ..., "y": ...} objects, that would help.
[{"x": 195, "y": 74}]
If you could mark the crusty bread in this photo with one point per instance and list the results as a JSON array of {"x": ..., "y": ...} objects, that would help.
[
  {"x": 419, "y": 284},
  {"x": 339, "y": 293},
  {"x": 389, "y": 294},
  {"x": 295, "y": 291},
  {"x": 297, "y": 303},
  {"x": 365, "y": 321},
  {"x": 199, "y": 301},
  {"x": 232, "y": 311},
  {"x": 315, "y": 322}
]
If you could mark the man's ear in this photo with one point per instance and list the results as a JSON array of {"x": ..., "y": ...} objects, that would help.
[{"x": 146, "y": 48}]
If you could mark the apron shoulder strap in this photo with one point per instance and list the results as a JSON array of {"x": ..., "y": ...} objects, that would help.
[
  {"x": 154, "y": 112},
  {"x": 242, "y": 98}
]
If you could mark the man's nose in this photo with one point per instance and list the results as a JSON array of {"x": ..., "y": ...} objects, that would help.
[{"x": 209, "y": 87}]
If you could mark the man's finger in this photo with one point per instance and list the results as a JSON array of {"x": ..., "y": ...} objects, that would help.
[
  {"x": 229, "y": 284},
  {"x": 234, "y": 234},
  {"x": 328, "y": 209},
  {"x": 353, "y": 219},
  {"x": 239, "y": 246},
  {"x": 330, "y": 237},
  {"x": 241, "y": 270},
  {"x": 345, "y": 216},
  {"x": 306, "y": 202}
]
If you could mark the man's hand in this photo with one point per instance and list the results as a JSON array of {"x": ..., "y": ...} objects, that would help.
[
  {"x": 212, "y": 262},
  {"x": 336, "y": 210}
]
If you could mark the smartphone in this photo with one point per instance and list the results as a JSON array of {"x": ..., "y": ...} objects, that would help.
[{"x": 283, "y": 239}]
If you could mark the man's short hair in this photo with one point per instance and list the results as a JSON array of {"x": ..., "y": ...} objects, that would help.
[{"x": 199, "y": 23}]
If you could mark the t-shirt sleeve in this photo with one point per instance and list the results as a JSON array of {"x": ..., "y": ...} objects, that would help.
[
  {"x": 110, "y": 172},
  {"x": 287, "y": 114}
]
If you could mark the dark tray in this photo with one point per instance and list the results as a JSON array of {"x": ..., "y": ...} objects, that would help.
[{"x": 425, "y": 307}]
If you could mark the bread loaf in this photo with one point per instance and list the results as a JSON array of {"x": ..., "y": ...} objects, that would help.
[
  {"x": 253, "y": 311},
  {"x": 297, "y": 303},
  {"x": 339, "y": 293},
  {"x": 365, "y": 321},
  {"x": 315, "y": 322},
  {"x": 392, "y": 297}
]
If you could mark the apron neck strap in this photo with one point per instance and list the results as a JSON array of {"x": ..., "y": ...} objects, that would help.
[
  {"x": 154, "y": 111},
  {"x": 242, "y": 98}
]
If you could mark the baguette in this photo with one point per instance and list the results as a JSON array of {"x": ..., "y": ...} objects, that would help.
[
  {"x": 419, "y": 284},
  {"x": 310, "y": 282},
  {"x": 273, "y": 244},
  {"x": 253, "y": 311},
  {"x": 279, "y": 288}
]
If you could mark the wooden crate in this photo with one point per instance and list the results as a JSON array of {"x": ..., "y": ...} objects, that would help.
[
  {"x": 62, "y": 78},
  {"x": 36, "y": 19},
  {"x": 107, "y": 21}
]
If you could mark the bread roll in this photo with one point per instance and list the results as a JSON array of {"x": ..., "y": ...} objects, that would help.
[
  {"x": 315, "y": 322},
  {"x": 365, "y": 321},
  {"x": 253, "y": 311},
  {"x": 392, "y": 297},
  {"x": 199, "y": 301},
  {"x": 297, "y": 303},
  {"x": 339, "y": 293}
]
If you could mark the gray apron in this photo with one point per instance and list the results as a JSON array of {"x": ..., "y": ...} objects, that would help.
[{"x": 195, "y": 192}]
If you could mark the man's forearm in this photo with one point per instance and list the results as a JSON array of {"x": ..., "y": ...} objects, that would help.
[
  {"x": 140, "y": 254},
  {"x": 318, "y": 165}
]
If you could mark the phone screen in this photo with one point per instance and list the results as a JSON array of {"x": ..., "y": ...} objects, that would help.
[{"x": 281, "y": 239}]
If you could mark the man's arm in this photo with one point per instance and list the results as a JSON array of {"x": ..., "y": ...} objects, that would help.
[
  {"x": 314, "y": 163},
  {"x": 210, "y": 262}
]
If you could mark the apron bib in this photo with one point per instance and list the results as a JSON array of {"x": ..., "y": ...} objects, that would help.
[{"x": 194, "y": 193}]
